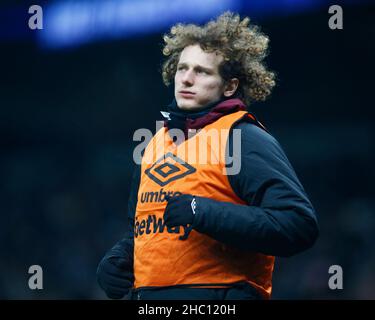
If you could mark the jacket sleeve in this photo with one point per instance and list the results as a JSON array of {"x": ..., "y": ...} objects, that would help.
[
  {"x": 278, "y": 218},
  {"x": 132, "y": 202},
  {"x": 126, "y": 245}
]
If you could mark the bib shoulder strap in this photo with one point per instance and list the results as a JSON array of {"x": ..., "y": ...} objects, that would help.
[{"x": 250, "y": 117}]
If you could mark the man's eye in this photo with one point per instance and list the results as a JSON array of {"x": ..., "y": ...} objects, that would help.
[
  {"x": 202, "y": 71},
  {"x": 181, "y": 68}
]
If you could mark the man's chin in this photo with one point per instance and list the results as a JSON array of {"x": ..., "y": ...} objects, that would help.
[{"x": 187, "y": 105}]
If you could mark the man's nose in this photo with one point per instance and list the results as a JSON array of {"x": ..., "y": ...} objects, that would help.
[{"x": 188, "y": 78}]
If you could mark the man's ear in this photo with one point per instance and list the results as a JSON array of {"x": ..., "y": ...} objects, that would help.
[{"x": 230, "y": 87}]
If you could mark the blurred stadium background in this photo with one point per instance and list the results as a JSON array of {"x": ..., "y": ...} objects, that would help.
[{"x": 72, "y": 94}]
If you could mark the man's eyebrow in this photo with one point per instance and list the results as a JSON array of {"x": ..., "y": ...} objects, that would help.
[{"x": 195, "y": 67}]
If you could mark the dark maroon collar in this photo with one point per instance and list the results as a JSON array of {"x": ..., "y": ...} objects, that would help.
[
  {"x": 221, "y": 109},
  {"x": 185, "y": 121}
]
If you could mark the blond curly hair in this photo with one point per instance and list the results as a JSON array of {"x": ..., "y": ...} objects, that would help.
[{"x": 243, "y": 48}]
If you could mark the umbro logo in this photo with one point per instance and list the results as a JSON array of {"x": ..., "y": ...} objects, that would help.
[{"x": 169, "y": 168}]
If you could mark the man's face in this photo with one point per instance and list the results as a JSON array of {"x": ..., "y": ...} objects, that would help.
[{"x": 197, "y": 80}]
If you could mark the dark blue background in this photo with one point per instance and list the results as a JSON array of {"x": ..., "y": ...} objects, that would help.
[{"x": 66, "y": 123}]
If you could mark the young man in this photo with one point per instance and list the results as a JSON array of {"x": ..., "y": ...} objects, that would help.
[{"x": 198, "y": 230}]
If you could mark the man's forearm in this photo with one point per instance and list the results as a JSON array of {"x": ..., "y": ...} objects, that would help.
[{"x": 281, "y": 232}]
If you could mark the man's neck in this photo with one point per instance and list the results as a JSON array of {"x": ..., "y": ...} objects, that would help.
[{"x": 194, "y": 112}]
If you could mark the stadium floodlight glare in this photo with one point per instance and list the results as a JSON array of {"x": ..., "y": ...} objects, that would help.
[{"x": 72, "y": 23}]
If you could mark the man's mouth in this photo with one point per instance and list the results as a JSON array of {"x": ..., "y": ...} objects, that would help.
[{"x": 186, "y": 93}]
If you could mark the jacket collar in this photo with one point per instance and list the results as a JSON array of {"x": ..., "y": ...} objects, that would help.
[{"x": 185, "y": 120}]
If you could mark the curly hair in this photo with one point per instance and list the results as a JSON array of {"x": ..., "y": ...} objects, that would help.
[{"x": 243, "y": 48}]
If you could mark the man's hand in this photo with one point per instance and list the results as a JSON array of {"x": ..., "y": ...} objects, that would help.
[
  {"x": 115, "y": 276},
  {"x": 180, "y": 210}
]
